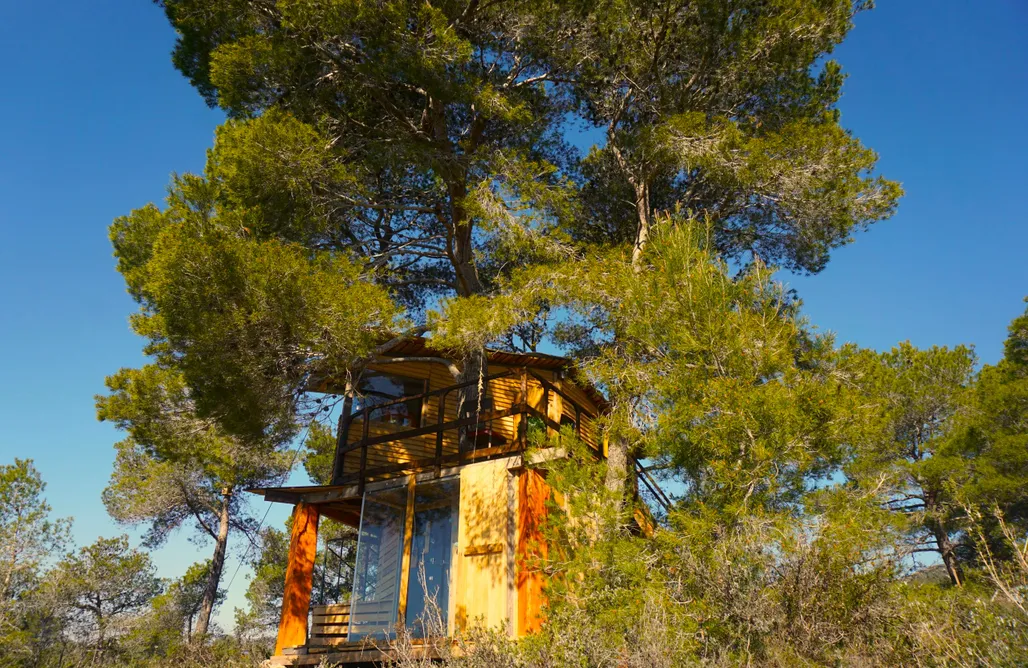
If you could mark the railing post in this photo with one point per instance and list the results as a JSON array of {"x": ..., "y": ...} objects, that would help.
[
  {"x": 546, "y": 409},
  {"x": 523, "y": 420},
  {"x": 441, "y": 418},
  {"x": 424, "y": 405}
]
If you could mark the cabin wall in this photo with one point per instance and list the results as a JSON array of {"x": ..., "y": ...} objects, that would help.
[{"x": 481, "y": 586}]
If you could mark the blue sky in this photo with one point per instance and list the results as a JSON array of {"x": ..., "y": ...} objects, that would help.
[{"x": 96, "y": 119}]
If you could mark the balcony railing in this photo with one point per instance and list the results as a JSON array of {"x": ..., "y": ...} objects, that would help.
[{"x": 449, "y": 438}]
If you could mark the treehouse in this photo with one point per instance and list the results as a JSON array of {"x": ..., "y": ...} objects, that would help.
[{"x": 447, "y": 512}]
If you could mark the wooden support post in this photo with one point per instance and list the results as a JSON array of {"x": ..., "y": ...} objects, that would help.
[
  {"x": 533, "y": 493},
  {"x": 408, "y": 540},
  {"x": 423, "y": 416},
  {"x": 296, "y": 599},
  {"x": 364, "y": 452},
  {"x": 440, "y": 418}
]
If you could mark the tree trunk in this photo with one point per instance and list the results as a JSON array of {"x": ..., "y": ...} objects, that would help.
[
  {"x": 618, "y": 449},
  {"x": 101, "y": 632},
  {"x": 210, "y": 592},
  {"x": 642, "y": 229},
  {"x": 462, "y": 257},
  {"x": 617, "y": 466},
  {"x": 476, "y": 367},
  {"x": 949, "y": 557}
]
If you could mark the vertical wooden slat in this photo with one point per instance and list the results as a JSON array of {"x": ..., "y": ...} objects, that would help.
[
  {"x": 522, "y": 426},
  {"x": 423, "y": 418},
  {"x": 296, "y": 598}
]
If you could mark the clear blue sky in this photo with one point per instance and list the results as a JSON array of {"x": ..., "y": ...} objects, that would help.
[{"x": 95, "y": 119}]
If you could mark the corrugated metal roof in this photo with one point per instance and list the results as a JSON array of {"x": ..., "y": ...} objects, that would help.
[{"x": 421, "y": 346}]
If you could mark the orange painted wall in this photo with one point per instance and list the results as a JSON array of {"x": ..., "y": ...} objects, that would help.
[
  {"x": 296, "y": 601},
  {"x": 533, "y": 493}
]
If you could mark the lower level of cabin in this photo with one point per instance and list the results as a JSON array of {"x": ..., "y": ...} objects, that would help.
[{"x": 437, "y": 553}]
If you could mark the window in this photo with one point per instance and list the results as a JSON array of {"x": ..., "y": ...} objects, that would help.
[{"x": 376, "y": 389}]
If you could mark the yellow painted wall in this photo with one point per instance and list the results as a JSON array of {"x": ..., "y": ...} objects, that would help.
[{"x": 481, "y": 584}]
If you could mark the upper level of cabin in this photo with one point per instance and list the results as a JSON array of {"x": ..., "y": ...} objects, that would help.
[{"x": 409, "y": 413}]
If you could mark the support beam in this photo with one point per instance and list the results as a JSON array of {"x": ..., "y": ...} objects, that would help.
[
  {"x": 408, "y": 540},
  {"x": 296, "y": 600},
  {"x": 533, "y": 493}
]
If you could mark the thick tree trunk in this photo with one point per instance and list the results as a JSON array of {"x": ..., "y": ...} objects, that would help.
[
  {"x": 462, "y": 257},
  {"x": 617, "y": 466},
  {"x": 210, "y": 592}
]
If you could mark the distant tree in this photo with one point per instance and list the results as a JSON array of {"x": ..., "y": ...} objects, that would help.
[
  {"x": 167, "y": 623},
  {"x": 176, "y": 467},
  {"x": 994, "y": 435},
  {"x": 187, "y": 594},
  {"x": 913, "y": 462},
  {"x": 104, "y": 584},
  {"x": 29, "y": 538},
  {"x": 27, "y": 534},
  {"x": 337, "y": 550}
]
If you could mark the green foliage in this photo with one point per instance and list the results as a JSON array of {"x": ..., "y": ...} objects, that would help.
[
  {"x": 167, "y": 625},
  {"x": 29, "y": 539},
  {"x": 765, "y": 588},
  {"x": 725, "y": 109},
  {"x": 246, "y": 321},
  {"x": 993, "y": 435},
  {"x": 715, "y": 376},
  {"x": 177, "y": 467}
]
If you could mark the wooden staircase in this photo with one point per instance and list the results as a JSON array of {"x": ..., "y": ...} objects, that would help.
[{"x": 327, "y": 642}]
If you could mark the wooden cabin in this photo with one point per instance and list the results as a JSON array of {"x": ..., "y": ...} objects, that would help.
[{"x": 447, "y": 513}]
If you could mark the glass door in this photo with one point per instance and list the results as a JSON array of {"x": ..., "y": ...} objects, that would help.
[
  {"x": 376, "y": 582},
  {"x": 433, "y": 540}
]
